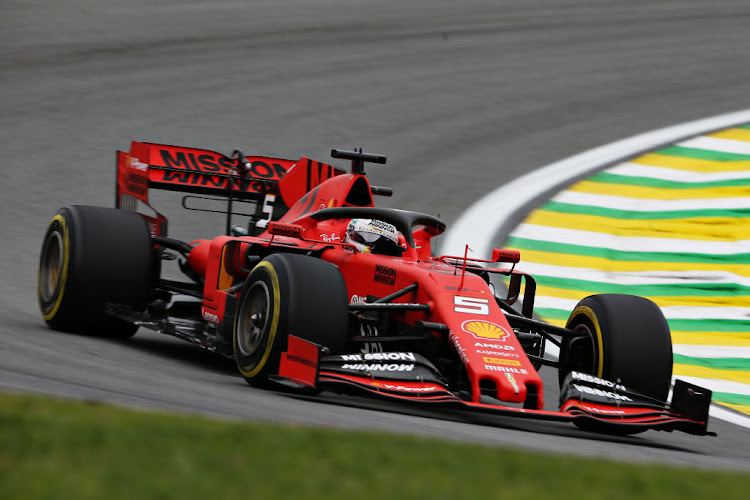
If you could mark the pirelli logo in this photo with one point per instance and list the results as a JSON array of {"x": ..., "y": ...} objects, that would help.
[{"x": 501, "y": 361}]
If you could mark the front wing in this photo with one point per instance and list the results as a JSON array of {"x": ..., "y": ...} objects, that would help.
[{"x": 586, "y": 401}]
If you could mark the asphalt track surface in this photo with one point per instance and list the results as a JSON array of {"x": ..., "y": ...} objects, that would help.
[{"x": 461, "y": 97}]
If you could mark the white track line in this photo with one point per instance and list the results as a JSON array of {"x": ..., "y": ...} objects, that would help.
[
  {"x": 478, "y": 226},
  {"x": 725, "y": 145},
  {"x": 672, "y": 174}
]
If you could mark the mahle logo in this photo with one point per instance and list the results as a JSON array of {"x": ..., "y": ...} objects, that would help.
[{"x": 485, "y": 329}]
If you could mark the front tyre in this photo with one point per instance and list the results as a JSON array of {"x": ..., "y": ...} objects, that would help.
[
  {"x": 622, "y": 337},
  {"x": 92, "y": 256},
  {"x": 287, "y": 294}
]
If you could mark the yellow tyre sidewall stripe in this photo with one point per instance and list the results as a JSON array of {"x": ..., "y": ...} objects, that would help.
[
  {"x": 589, "y": 313},
  {"x": 64, "y": 275},
  {"x": 274, "y": 323}
]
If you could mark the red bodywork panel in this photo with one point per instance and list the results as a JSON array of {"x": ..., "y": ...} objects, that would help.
[{"x": 480, "y": 333}]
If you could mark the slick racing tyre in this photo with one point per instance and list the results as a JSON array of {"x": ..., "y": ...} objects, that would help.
[
  {"x": 287, "y": 294},
  {"x": 623, "y": 337},
  {"x": 92, "y": 256}
]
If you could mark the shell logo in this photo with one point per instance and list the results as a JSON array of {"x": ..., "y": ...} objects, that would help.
[{"x": 485, "y": 329}]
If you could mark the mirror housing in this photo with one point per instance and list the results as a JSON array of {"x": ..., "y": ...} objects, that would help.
[{"x": 502, "y": 255}]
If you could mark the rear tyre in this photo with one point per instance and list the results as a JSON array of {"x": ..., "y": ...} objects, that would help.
[
  {"x": 287, "y": 294},
  {"x": 624, "y": 338},
  {"x": 92, "y": 256}
]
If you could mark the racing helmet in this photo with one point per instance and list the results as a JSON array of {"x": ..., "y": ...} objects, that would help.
[{"x": 373, "y": 236}]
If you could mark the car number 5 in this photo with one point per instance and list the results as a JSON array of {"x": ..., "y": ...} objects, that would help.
[
  {"x": 267, "y": 209},
  {"x": 471, "y": 305}
]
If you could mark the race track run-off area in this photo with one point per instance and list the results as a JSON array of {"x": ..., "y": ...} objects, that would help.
[{"x": 671, "y": 224}]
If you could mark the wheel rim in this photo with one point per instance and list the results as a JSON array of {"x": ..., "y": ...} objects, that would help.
[
  {"x": 51, "y": 267},
  {"x": 253, "y": 319},
  {"x": 582, "y": 355}
]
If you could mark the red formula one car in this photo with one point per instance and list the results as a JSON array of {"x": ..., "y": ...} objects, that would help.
[{"x": 324, "y": 291}]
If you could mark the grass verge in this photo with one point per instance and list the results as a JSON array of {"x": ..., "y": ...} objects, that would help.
[{"x": 62, "y": 449}]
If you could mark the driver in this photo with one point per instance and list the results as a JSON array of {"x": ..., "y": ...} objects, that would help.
[{"x": 373, "y": 236}]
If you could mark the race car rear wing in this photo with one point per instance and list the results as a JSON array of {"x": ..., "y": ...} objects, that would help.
[{"x": 272, "y": 184}]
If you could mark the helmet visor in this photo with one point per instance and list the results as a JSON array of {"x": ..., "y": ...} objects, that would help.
[{"x": 365, "y": 238}]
